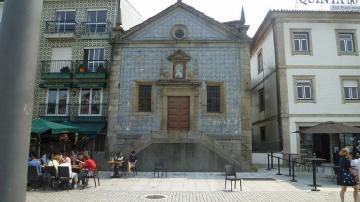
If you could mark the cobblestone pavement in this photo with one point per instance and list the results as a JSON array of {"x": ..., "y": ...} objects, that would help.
[
  {"x": 134, "y": 196},
  {"x": 261, "y": 186}
]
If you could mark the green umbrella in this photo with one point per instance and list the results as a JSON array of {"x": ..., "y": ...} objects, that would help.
[{"x": 40, "y": 126}]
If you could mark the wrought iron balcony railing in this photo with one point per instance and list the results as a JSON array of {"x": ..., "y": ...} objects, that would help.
[
  {"x": 73, "y": 110},
  {"x": 57, "y": 66},
  {"x": 60, "y": 27},
  {"x": 95, "y": 28},
  {"x": 94, "y": 66},
  {"x": 53, "y": 109}
]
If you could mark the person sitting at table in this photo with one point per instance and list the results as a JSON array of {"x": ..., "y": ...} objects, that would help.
[
  {"x": 118, "y": 157},
  {"x": 54, "y": 161},
  {"x": 90, "y": 167},
  {"x": 72, "y": 175},
  {"x": 66, "y": 158},
  {"x": 34, "y": 161},
  {"x": 132, "y": 162}
]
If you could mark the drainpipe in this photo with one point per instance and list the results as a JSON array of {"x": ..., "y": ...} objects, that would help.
[{"x": 278, "y": 94}]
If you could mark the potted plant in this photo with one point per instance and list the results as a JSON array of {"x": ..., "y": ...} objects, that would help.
[{"x": 82, "y": 68}]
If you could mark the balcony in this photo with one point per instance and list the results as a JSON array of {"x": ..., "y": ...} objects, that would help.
[
  {"x": 90, "y": 112},
  {"x": 91, "y": 69},
  {"x": 95, "y": 30},
  {"x": 74, "y": 112},
  {"x": 60, "y": 29},
  {"x": 57, "y": 69},
  {"x": 54, "y": 112}
]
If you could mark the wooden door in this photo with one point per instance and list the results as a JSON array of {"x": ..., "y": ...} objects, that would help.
[{"x": 178, "y": 113}]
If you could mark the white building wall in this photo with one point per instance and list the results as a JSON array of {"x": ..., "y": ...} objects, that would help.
[
  {"x": 130, "y": 16},
  {"x": 327, "y": 67},
  {"x": 267, "y": 46},
  {"x": 324, "y": 47},
  {"x": 265, "y": 118},
  {"x": 328, "y": 92}
]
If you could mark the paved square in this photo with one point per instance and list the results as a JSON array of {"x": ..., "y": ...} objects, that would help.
[{"x": 259, "y": 186}]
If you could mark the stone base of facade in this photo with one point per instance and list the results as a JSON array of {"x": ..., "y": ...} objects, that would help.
[{"x": 194, "y": 153}]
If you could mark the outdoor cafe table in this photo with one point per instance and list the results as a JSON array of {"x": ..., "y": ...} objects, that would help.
[
  {"x": 314, "y": 161},
  {"x": 115, "y": 162},
  {"x": 76, "y": 168}
]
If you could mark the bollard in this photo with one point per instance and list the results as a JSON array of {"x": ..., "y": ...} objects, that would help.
[
  {"x": 289, "y": 164},
  {"x": 268, "y": 162},
  {"x": 293, "y": 172},
  {"x": 278, "y": 173},
  {"x": 272, "y": 163}
]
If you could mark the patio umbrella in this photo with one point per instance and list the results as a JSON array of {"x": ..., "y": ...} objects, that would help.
[
  {"x": 330, "y": 128},
  {"x": 40, "y": 126}
]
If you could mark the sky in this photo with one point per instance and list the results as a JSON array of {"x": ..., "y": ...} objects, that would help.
[{"x": 225, "y": 10}]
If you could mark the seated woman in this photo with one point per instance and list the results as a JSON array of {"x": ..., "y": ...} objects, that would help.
[{"x": 132, "y": 162}]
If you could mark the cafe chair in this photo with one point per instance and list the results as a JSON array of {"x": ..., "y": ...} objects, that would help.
[
  {"x": 160, "y": 167},
  {"x": 64, "y": 177},
  {"x": 33, "y": 178},
  {"x": 230, "y": 175},
  {"x": 94, "y": 175},
  {"x": 49, "y": 176}
]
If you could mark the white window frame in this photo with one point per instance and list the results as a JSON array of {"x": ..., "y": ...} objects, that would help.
[
  {"x": 300, "y": 41},
  {"x": 90, "y": 102},
  {"x": 57, "y": 102},
  {"x": 350, "y": 90},
  {"x": 303, "y": 89},
  {"x": 93, "y": 63},
  {"x": 62, "y": 25},
  {"x": 96, "y": 23},
  {"x": 345, "y": 41},
  {"x": 293, "y": 40}
]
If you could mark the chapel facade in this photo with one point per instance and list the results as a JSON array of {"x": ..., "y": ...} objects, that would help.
[{"x": 180, "y": 92}]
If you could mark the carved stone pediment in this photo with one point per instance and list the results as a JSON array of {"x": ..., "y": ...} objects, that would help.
[{"x": 179, "y": 55}]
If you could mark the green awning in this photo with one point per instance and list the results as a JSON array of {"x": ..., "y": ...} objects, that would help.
[
  {"x": 40, "y": 126},
  {"x": 55, "y": 85},
  {"x": 89, "y": 85},
  {"x": 90, "y": 129}
]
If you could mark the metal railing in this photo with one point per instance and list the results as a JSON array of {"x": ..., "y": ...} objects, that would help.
[
  {"x": 60, "y": 26},
  {"x": 69, "y": 66},
  {"x": 95, "y": 66},
  {"x": 53, "y": 109},
  {"x": 292, "y": 163},
  {"x": 73, "y": 110},
  {"x": 57, "y": 66},
  {"x": 90, "y": 110},
  {"x": 95, "y": 28}
]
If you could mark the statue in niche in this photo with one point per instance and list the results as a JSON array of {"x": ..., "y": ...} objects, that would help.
[{"x": 179, "y": 71}]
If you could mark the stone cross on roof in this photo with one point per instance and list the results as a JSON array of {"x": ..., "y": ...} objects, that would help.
[{"x": 179, "y": 1}]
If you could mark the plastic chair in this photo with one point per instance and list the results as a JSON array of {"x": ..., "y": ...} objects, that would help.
[
  {"x": 230, "y": 174},
  {"x": 160, "y": 167}
]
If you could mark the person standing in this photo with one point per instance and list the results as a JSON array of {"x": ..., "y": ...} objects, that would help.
[
  {"x": 132, "y": 162},
  {"x": 345, "y": 176}
]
